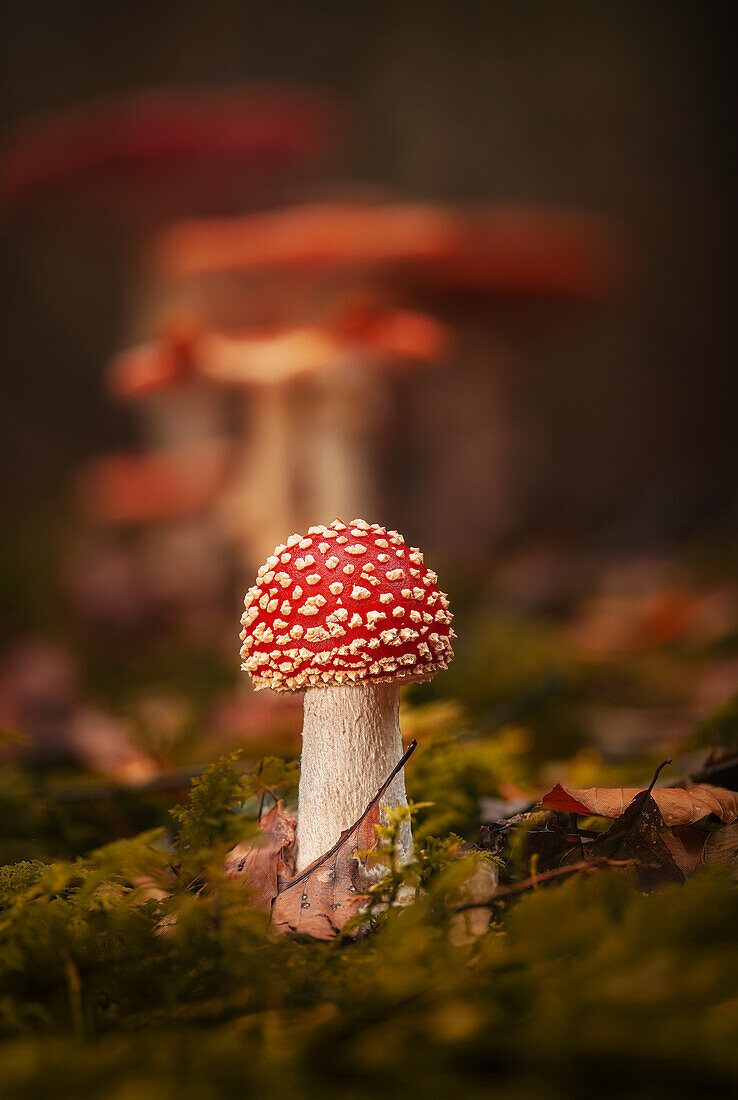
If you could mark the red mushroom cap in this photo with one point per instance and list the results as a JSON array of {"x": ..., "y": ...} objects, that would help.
[
  {"x": 131, "y": 488},
  {"x": 290, "y": 351},
  {"x": 148, "y": 368},
  {"x": 167, "y": 149},
  {"x": 274, "y": 354},
  {"x": 484, "y": 251},
  {"x": 345, "y": 604},
  {"x": 316, "y": 236}
]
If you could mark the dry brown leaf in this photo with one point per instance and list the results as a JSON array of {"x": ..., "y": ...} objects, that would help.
[
  {"x": 685, "y": 844},
  {"x": 262, "y": 865},
  {"x": 321, "y": 900},
  {"x": 677, "y": 807},
  {"x": 721, "y": 848},
  {"x": 640, "y": 834}
]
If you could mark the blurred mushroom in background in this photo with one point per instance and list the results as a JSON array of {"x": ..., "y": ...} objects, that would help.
[
  {"x": 157, "y": 508},
  {"x": 175, "y": 406},
  {"x": 142, "y": 159},
  {"x": 314, "y": 394},
  {"x": 488, "y": 275},
  {"x": 96, "y": 180}
]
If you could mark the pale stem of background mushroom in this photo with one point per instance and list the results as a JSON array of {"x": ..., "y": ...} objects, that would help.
[
  {"x": 350, "y": 743},
  {"x": 348, "y": 406},
  {"x": 261, "y": 503},
  {"x": 272, "y": 463},
  {"x": 183, "y": 414},
  {"x": 335, "y": 455}
]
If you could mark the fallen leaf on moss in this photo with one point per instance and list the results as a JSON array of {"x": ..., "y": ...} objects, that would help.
[
  {"x": 322, "y": 899},
  {"x": 677, "y": 807},
  {"x": 686, "y": 846},
  {"x": 271, "y": 859},
  {"x": 641, "y": 834}
]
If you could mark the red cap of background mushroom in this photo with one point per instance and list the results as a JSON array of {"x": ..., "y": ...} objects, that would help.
[
  {"x": 156, "y": 151},
  {"x": 482, "y": 251},
  {"x": 131, "y": 488},
  {"x": 292, "y": 351},
  {"x": 150, "y": 367},
  {"x": 316, "y": 236},
  {"x": 184, "y": 352},
  {"x": 345, "y": 604}
]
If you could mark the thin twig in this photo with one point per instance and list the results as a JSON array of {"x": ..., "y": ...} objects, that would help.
[
  {"x": 657, "y": 773},
  {"x": 584, "y": 867},
  {"x": 89, "y": 792}
]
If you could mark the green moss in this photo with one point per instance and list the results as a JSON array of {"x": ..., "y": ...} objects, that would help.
[{"x": 118, "y": 979}]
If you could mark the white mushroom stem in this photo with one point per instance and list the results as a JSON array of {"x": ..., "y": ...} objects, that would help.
[{"x": 350, "y": 743}]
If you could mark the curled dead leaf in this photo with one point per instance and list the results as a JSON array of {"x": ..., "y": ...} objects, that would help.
[
  {"x": 322, "y": 899},
  {"x": 677, "y": 807},
  {"x": 685, "y": 844},
  {"x": 721, "y": 848},
  {"x": 641, "y": 834},
  {"x": 262, "y": 865}
]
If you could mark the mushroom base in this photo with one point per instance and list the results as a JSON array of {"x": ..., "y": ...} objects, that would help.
[{"x": 350, "y": 743}]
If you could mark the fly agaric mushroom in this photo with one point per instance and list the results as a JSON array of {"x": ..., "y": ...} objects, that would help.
[{"x": 346, "y": 613}]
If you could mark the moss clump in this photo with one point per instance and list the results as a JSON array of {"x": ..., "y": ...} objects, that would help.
[{"x": 120, "y": 978}]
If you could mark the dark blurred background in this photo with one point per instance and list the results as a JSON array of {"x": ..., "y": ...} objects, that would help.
[
  {"x": 622, "y": 109},
  {"x": 565, "y": 462}
]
